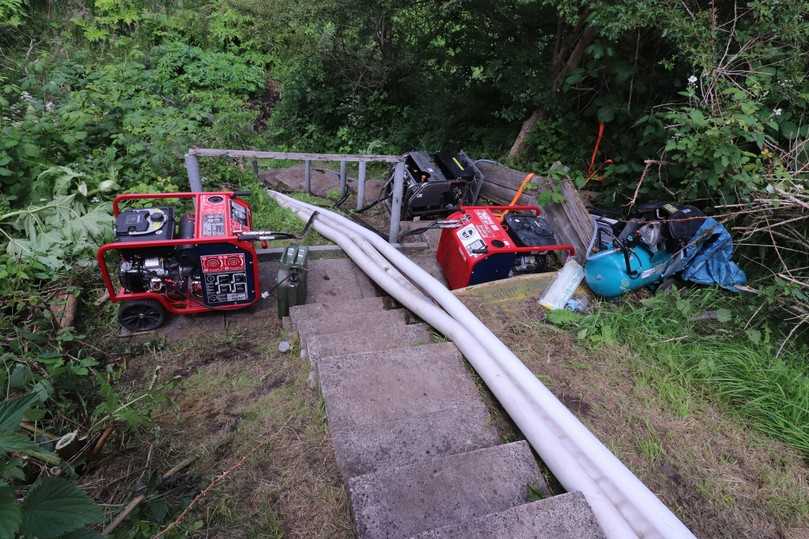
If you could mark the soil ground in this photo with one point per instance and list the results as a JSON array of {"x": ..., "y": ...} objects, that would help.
[{"x": 228, "y": 396}]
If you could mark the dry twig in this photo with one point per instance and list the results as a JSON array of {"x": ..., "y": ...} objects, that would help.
[{"x": 218, "y": 480}]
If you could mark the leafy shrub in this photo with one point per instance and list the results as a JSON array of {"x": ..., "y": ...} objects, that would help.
[
  {"x": 722, "y": 155},
  {"x": 53, "y": 506},
  {"x": 126, "y": 122},
  {"x": 12, "y": 13},
  {"x": 61, "y": 230}
]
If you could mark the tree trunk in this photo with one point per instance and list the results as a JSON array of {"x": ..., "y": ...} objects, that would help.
[
  {"x": 575, "y": 57},
  {"x": 560, "y": 71},
  {"x": 527, "y": 126}
]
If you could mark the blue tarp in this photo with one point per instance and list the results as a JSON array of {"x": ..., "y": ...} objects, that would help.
[{"x": 707, "y": 259}]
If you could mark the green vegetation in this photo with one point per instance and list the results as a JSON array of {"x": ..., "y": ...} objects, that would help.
[
  {"x": 52, "y": 506},
  {"x": 700, "y": 102},
  {"x": 701, "y": 341}
]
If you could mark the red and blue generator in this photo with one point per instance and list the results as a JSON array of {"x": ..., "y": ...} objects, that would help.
[{"x": 487, "y": 243}]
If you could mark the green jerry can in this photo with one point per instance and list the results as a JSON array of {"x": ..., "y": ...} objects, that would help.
[{"x": 291, "y": 281}]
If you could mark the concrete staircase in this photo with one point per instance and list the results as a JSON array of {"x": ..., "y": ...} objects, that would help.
[{"x": 412, "y": 437}]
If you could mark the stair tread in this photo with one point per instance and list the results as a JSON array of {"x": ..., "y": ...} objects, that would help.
[
  {"x": 370, "y": 321},
  {"x": 402, "y": 501},
  {"x": 413, "y": 439},
  {"x": 334, "y": 307},
  {"x": 356, "y": 341},
  {"x": 372, "y": 387},
  {"x": 333, "y": 278},
  {"x": 567, "y": 516}
]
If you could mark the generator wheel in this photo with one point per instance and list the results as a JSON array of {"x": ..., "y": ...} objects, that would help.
[{"x": 141, "y": 315}]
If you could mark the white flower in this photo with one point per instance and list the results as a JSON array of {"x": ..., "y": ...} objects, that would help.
[
  {"x": 49, "y": 106},
  {"x": 778, "y": 111},
  {"x": 692, "y": 79}
]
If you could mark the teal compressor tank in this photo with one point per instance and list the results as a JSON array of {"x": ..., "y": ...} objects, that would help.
[{"x": 617, "y": 271}]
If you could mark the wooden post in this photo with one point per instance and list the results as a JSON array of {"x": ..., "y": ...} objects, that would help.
[
  {"x": 396, "y": 202},
  {"x": 342, "y": 177},
  {"x": 192, "y": 167},
  {"x": 361, "y": 185},
  {"x": 307, "y": 176}
]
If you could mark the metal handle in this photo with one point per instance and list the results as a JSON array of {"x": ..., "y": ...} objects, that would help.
[{"x": 265, "y": 235}]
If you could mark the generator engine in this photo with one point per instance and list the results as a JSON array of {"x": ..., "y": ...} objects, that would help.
[
  {"x": 155, "y": 270},
  {"x": 154, "y": 273},
  {"x": 436, "y": 184},
  {"x": 206, "y": 261}
]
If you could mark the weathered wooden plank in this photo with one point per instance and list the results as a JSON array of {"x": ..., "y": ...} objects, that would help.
[
  {"x": 504, "y": 195},
  {"x": 500, "y": 175},
  {"x": 573, "y": 219},
  {"x": 293, "y": 156},
  {"x": 570, "y": 219}
]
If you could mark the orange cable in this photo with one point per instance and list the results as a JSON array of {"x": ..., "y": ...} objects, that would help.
[{"x": 523, "y": 184}]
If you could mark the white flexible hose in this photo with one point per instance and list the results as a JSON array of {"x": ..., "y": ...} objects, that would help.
[
  {"x": 519, "y": 408},
  {"x": 575, "y": 456}
]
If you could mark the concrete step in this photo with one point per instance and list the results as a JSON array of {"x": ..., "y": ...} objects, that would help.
[
  {"x": 404, "y": 501},
  {"x": 337, "y": 278},
  {"x": 413, "y": 439},
  {"x": 567, "y": 516},
  {"x": 369, "y": 321},
  {"x": 430, "y": 237},
  {"x": 335, "y": 307},
  {"x": 356, "y": 341},
  {"x": 428, "y": 263},
  {"x": 376, "y": 387}
]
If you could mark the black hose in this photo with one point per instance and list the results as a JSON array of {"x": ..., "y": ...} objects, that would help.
[
  {"x": 343, "y": 198},
  {"x": 308, "y": 225},
  {"x": 418, "y": 230},
  {"x": 372, "y": 204}
]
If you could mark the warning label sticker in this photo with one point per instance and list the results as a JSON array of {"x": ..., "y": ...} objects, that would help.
[
  {"x": 213, "y": 224},
  {"x": 487, "y": 227},
  {"x": 471, "y": 240}
]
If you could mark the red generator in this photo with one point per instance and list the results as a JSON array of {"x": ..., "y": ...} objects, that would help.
[
  {"x": 486, "y": 243},
  {"x": 201, "y": 261}
]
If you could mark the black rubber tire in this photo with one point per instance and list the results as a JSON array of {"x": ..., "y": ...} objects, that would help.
[{"x": 141, "y": 315}]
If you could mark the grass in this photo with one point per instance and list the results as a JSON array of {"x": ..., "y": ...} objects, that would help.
[
  {"x": 720, "y": 476},
  {"x": 269, "y": 215},
  {"x": 687, "y": 351},
  {"x": 676, "y": 396},
  {"x": 650, "y": 445},
  {"x": 234, "y": 395}
]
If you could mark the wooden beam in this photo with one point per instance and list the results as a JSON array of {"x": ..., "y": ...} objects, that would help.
[{"x": 293, "y": 156}]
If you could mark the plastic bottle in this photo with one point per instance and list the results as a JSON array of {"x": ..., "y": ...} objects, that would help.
[{"x": 563, "y": 287}]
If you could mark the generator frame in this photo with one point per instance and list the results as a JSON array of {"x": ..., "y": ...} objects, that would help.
[
  {"x": 458, "y": 264},
  {"x": 189, "y": 305},
  {"x": 411, "y": 188}
]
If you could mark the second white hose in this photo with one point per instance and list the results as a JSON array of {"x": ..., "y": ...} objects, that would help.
[{"x": 628, "y": 495}]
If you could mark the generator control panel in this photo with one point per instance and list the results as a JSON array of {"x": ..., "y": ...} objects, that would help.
[{"x": 225, "y": 278}]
